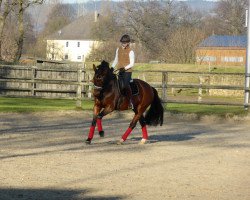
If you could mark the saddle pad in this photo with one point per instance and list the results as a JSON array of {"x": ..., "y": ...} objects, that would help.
[{"x": 134, "y": 88}]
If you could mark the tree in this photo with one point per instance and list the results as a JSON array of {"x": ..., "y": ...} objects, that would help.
[
  {"x": 107, "y": 30},
  {"x": 5, "y": 8},
  {"x": 149, "y": 22},
  {"x": 181, "y": 45},
  {"x": 230, "y": 16},
  {"x": 22, "y": 5},
  {"x": 59, "y": 16}
]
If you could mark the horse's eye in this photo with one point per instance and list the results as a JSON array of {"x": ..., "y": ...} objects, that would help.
[{"x": 98, "y": 77}]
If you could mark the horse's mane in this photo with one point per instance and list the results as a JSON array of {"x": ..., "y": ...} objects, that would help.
[{"x": 105, "y": 66}]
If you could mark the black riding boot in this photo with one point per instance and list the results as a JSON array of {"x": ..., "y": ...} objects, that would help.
[{"x": 130, "y": 97}]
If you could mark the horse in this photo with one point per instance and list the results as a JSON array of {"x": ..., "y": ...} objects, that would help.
[{"x": 108, "y": 97}]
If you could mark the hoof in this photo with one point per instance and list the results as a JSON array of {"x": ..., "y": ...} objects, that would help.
[
  {"x": 101, "y": 133},
  {"x": 120, "y": 142},
  {"x": 143, "y": 141},
  {"x": 88, "y": 141}
]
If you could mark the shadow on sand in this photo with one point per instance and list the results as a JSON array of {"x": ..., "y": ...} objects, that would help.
[
  {"x": 171, "y": 138},
  {"x": 50, "y": 194}
]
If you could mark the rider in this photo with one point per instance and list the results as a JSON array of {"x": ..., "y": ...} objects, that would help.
[{"x": 125, "y": 59}]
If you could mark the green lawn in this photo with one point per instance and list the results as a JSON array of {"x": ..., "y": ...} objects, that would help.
[
  {"x": 40, "y": 105},
  {"x": 182, "y": 67},
  {"x": 218, "y": 110},
  {"x": 36, "y": 104}
]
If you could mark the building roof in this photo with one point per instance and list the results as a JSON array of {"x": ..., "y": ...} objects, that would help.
[
  {"x": 79, "y": 29},
  {"x": 224, "y": 41}
]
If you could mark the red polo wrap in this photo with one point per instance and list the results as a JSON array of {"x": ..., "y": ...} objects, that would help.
[
  {"x": 144, "y": 132},
  {"x": 99, "y": 124},
  {"x": 91, "y": 132},
  {"x": 126, "y": 134}
]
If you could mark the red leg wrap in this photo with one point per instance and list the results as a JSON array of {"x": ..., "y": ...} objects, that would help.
[
  {"x": 91, "y": 132},
  {"x": 126, "y": 134},
  {"x": 99, "y": 124},
  {"x": 144, "y": 132}
]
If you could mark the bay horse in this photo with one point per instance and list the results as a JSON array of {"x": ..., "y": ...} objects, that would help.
[{"x": 107, "y": 98}]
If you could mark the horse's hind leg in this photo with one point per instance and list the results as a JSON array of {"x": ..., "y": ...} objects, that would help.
[
  {"x": 130, "y": 128},
  {"x": 144, "y": 130}
]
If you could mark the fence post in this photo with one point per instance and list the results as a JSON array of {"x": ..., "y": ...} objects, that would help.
[
  {"x": 79, "y": 88},
  {"x": 90, "y": 87},
  {"x": 172, "y": 89},
  {"x": 33, "y": 84},
  {"x": 200, "y": 89},
  {"x": 164, "y": 86}
]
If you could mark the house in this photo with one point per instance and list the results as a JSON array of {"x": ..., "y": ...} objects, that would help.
[
  {"x": 73, "y": 42},
  {"x": 222, "y": 50}
]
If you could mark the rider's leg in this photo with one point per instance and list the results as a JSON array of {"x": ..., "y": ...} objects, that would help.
[{"x": 127, "y": 79}]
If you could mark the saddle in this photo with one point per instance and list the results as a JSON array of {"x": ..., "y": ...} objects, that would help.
[
  {"x": 133, "y": 85},
  {"x": 123, "y": 92}
]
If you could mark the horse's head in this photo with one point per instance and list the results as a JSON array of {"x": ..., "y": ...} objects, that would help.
[{"x": 103, "y": 74}]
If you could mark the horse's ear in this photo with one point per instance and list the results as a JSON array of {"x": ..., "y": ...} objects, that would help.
[
  {"x": 104, "y": 63},
  {"x": 94, "y": 67}
]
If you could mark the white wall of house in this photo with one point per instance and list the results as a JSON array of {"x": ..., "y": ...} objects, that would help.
[{"x": 71, "y": 50}]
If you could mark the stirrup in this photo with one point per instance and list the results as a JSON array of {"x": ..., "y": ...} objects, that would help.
[{"x": 131, "y": 106}]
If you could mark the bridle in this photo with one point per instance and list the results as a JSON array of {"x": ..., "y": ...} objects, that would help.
[{"x": 97, "y": 87}]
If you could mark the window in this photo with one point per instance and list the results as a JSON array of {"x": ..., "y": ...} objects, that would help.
[
  {"x": 232, "y": 59},
  {"x": 67, "y": 44},
  {"x": 78, "y": 44},
  {"x": 79, "y": 57},
  {"x": 53, "y": 56},
  {"x": 66, "y": 57},
  {"x": 208, "y": 58}
]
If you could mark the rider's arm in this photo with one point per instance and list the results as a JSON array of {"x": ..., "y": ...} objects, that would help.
[
  {"x": 116, "y": 59},
  {"x": 131, "y": 59}
]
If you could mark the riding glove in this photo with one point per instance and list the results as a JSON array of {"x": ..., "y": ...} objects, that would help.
[{"x": 122, "y": 70}]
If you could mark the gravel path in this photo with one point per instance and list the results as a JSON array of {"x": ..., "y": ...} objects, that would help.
[{"x": 43, "y": 156}]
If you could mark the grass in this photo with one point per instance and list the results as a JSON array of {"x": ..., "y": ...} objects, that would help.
[
  {"x": 218, "y": 110},
  {"x": 189, "y": 67},
  {"x": 181, "y": 67},
  {"x": 39, "y": 105}
]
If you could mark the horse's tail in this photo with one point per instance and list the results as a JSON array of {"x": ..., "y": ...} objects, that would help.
[{"x": 154, "y": 115}]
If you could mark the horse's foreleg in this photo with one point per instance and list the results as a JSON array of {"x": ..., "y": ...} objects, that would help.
[
  {"x": 104, "y": 112},
  {"x": 93, "y": 124},
  {"x": 131, "y": 127},
  {"x": 99, "y": 126},
  {"x": 91, "y": 130}
]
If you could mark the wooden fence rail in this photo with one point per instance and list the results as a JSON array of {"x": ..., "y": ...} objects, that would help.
[{"x": 74, "y": 83}]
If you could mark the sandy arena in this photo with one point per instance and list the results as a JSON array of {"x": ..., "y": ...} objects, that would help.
[{"x": 43, "y": 156}]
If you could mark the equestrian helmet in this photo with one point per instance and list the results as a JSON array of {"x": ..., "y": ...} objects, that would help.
[{"x": 125, "y": 39}]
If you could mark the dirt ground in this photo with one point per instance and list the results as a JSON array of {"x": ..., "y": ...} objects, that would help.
[{"x": 43, "y": 156}]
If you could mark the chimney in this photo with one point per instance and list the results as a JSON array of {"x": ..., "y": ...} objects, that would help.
[{"x": 96, "y": 16}]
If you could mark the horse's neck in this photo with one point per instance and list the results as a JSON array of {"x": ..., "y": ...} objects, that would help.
[{"x": 109, "y": 86}]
